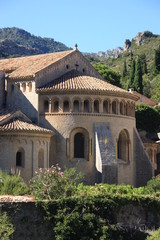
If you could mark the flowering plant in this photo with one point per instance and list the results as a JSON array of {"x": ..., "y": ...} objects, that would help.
[{"x": 52, "y": 183}]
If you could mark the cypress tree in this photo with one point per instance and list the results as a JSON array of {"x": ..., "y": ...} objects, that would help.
[
  {"x": 138, "y": 77},
  {"x": 132, "y": 73},
  {"x": 124, "y": 69}
]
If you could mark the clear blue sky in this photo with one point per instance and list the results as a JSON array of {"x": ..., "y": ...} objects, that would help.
[{"x": 96, "y": 25}]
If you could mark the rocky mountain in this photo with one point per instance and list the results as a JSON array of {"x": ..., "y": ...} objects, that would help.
[{"x": 18, "y": 42}]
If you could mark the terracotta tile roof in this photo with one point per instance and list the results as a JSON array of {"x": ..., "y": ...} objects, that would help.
[
  {"x": 27, "y": 66},
  {"x": 19, "y": 125},
  {"x": 144, "y": 99},
  {"x": 75, "y": 80}
]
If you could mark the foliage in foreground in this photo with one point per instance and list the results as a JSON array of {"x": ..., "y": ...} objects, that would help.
[
  {"x": 52, "y": 183},
  {"x": 6, "y": 227},
  {"x": 147, "y": 118},
  {"x": 12, "y": 184},
  {"x": 155, "y": 235}
]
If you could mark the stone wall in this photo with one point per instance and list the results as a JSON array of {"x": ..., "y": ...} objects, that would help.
[
  {"x": 29, "y": 223},
  {"x": 143, "y": 165},
  {"x": 31, "y": 146}
]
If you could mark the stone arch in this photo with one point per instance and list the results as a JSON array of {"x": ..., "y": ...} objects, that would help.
[
  {"x": 122, "y": 108},
  {"x": 24, "y": 87},
  {"x": 55, "y": 107},
  {"x": 87, "y": 105},
  {"x": 41, "y": 158},
  {"x": 106, "y": 106},
  {"x": 115, "y": 107},
  {"x": 20, "y": 158},
  {"x": 76, "y": 105},
  {"x": 30, "y": 86},
  {"x": 123, "y": 146},
  {"x": 79, "y": 143},
  {"x": 128, "y": 109},
  {"x": 66, "y": 105},
  {"x": 96, "y": 106}
]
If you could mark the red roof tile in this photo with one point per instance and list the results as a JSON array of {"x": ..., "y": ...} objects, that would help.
[
  {"x": 75, "y": 80},
  {"x": 27, "y": 66},
  {"x": 19, "y": 125}
]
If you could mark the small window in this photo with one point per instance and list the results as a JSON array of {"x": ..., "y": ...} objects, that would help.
[
  {"x": 121, "y": 108},
  {"x": 79, "y": 145},
  {"x": 76, "y": 106},
  {"x": 20, "y": 158},
  {"x": 67, "y": 66},
  {"x": 66, "y": 106},
  {"x": 30, "y": 86},
  {"x": 83, "y": 70},
  {"x": 18, "y": 87},
  {"x": 24, "y": 87},
  {"x": 106, "y": 107},
  {"x": 46, "y": 106},
  {"x": 96, "y": 106},
  {"x": 86, "y": 106},
  {"x": 114, "y": 107},
  {"x": 56, "y": 106}
]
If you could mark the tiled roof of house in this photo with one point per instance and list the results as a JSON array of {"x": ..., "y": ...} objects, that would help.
[
  {"x": 144, "y": 99},
  {"x": 75, "y": 80},
  {"x": 27, "y": 66},
  {"x": 19, "y": 125}
]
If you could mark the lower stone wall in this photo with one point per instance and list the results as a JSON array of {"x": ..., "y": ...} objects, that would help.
[
  {"x": 143, "y": 165},
  {"x": 29, "y": 223}
]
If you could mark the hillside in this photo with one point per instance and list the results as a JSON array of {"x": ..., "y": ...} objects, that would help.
[{"x": 18, "y": 42}]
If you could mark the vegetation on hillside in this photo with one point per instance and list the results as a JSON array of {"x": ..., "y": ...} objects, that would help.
[{"x": 26, "y": 44}]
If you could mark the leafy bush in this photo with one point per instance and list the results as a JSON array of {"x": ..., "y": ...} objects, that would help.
[
  {"x": 52, "y": 183},
  {"x": 6, "y": 228},
  {"x": 12, "y": 184},
  {"x": 155, "y": 235},
  {"x": 147, "y": 118}
]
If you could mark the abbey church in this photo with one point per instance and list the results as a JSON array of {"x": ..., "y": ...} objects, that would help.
[{"x": 56, "y": 108}]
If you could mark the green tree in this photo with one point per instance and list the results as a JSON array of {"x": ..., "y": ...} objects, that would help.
[
  {"x": 156, "y": 62},
  {"x": 132, "y": 73},
  {"x": 138, "y": 77},
  {"x": 147, "y": 118},
  {"x": 143, "y": 63},
  {"x": 124, "y": 69},
  {"x": 108, "y": 74}
]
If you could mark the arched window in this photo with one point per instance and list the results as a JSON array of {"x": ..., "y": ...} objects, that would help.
[
  {"x": 46, "y": 106},
  {"x": 30, "y": 86},
  {"x": 86, "y": 106},
  {"x": 18, "y": 87},
  {"x": 65, "y": 106},
  {"x": 106, "y": 107},
  {"x": 41, "y": 158},
  {"x": 76, "y": 106},
  {"x": 114, "y": 107},
  {"x": 123, "y": 145},
  {"x": 79, "y": 145},
  {"x": 96, "y": 106},
  {"x": 56, "y": 106},
  {"x": 20, "y": 158},
  {"x": 121, "y": 108},
  {"x": 23, "y": 87}
]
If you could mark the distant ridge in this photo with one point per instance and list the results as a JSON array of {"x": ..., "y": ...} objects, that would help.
[{"x": 16, "y": 42}]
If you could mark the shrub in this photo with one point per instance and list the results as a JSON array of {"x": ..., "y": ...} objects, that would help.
[
  {"x": 52, "y": 183},
  {"x": 155, "y": 235},
  {"x": 12, "y": 184},
  {"x": 6, "y": 228}
]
